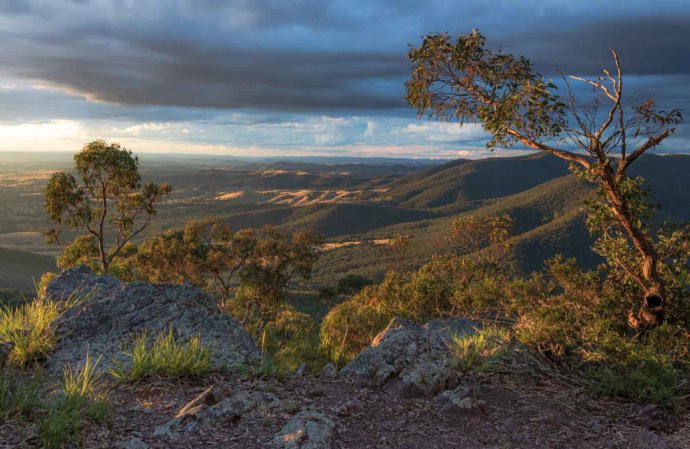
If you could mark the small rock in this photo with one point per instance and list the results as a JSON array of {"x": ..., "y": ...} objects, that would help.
[
  {"x": 224, "y": 412},
  {"x": 459, "y": 403},
  {"x": 309, "y": 429},
  {"x": 452, "y": 396},
  {"x": 131, "y": 443},
  {"x": 402, "y": 389},
  {"x": 329, "y": 372},
  {"x": 350, "y": 407},
  {"x": 302, "y": 370}
]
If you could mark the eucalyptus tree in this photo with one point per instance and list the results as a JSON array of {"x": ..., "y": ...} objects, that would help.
[
  {"x": 465, "y": 81},
  {"x": 108, "y": 204}
]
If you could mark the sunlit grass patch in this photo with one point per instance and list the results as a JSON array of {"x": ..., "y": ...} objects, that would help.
[
  {"x": 478, "y": 351},
  {"x": 30, "y": 327},
  {"x": 165, "y": 356}
]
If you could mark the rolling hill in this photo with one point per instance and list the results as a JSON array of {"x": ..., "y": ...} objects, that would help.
[
  {"x": 363, "y": 205},
  {"x": 20, "y": 269},
  {"x": 548, "y": 217}
]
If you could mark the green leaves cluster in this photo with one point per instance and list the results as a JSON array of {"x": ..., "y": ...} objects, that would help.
[{"x": 467, "y": 82}]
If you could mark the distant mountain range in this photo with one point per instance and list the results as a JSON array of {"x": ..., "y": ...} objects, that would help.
[{"x": 359, "y": 205}]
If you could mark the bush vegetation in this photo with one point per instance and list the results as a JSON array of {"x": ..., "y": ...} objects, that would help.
[{"x": 572, "y": 317}]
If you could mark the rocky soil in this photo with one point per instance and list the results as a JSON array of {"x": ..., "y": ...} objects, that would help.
[{"x": 310, "y": 412}]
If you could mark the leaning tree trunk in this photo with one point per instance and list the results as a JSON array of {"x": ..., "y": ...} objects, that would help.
[{"x": 652, "y": 308}]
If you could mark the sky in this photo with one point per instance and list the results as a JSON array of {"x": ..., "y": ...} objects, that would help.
[{"x": 298, "y": 77}]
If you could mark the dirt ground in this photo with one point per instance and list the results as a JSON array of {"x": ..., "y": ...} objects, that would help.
[{"x": 517, "y": 413}]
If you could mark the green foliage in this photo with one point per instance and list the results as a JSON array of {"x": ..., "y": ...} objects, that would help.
[
  {"x": 58, "y": 416},
  {"x": 670, "y": 242},
  {"x": 61, "y": 424},
  {"x": 247, "y": 269},
  {"x": 291, "y": 339},
  {"x": 653, "y": 369},
  {"x": 464, "y": 81},
  {"x": 110, "y": 202},
  {"x": 29, "y": 326},
  {"x": 83, "y": 382},
  {"x": 351, "y": 326},
  {"x": 468, "y": 284},
  {"x": 480, "y": 350},
  {"x": 576, "y": 318},
  {"x": 165, "y": 356},
  {"x": 18, "y": 398}
]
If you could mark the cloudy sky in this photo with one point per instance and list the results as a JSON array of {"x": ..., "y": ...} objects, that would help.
[{"x": 296, "y": 77}]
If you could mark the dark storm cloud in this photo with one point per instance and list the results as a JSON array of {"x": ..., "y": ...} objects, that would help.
[
  {"x": 647, "y": 45},
  {"x": 311, "y": 55}
]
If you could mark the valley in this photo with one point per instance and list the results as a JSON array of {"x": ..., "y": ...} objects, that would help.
[{"x": 356, "y": 206}]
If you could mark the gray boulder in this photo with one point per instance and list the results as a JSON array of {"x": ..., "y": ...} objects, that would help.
[
  {"x": 112, "y": 312},
  {"x": 309, "y": 429},
  {"x": 410, "y": 360}
]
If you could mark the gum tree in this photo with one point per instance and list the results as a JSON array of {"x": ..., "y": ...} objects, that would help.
[
  {"x": 466, "y": 82},
  {"x": 109, "y": 202}
]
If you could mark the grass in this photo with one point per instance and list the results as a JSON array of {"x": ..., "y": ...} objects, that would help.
[
  {"x": 480, "y": 350},
  {"x": 82, "y": 395},
  {"x": 29, "y": 327},
  {"x": 18, "y": 398},
  {"x": 58, "y": 416},
  {"x": 83, "y": 382},
  {"x": 165, "y": 356}
]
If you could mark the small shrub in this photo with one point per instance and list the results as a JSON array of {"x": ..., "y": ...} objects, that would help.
[
  {"x": 165, "y": 356},
  {"x": 291, "y": 339},
  {"x": 651, "y": 369},
  {"x": 350, "y": 326},
  {"x": 478, "y": 350}
]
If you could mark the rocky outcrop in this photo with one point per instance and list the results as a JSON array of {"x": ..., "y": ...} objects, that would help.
[
  {"x": 110, "y": 312},
  {"x": 410, "y": 360},
  {"x": 309, "y": 429}
]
